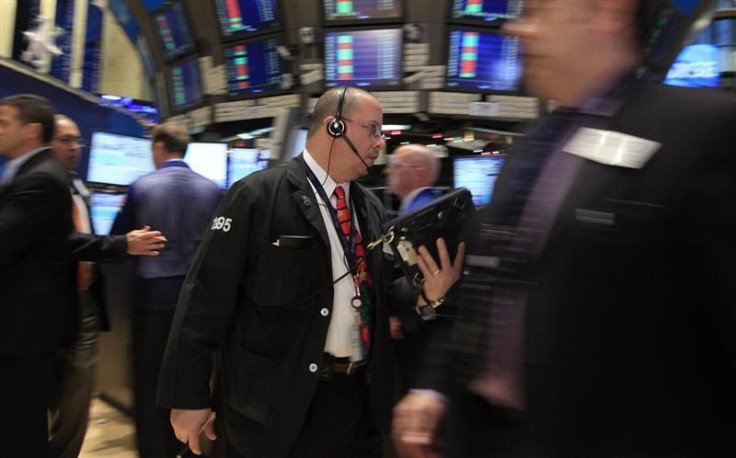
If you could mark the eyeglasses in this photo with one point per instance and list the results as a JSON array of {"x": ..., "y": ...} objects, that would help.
[
  {"x": 375, "y": 130},
  {"x": 70, "y": 141}
]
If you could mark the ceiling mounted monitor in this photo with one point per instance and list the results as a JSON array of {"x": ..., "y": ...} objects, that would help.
[
  {"x": 240, "y": 18},
  {"x": 358, "y": 12}
]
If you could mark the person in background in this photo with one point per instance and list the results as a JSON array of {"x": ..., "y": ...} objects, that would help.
[
  {"x": 76, "y": 364},
  {"x": 600, "y": 295},
  {"x": 180, "y": 203},
  {"x": 411, "y": 173}
]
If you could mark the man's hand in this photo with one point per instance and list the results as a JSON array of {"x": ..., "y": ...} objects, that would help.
[
  {"x": 439, "y": 279},
  {"x": 416, "y": 418},
  {"x": 189, "y": 423},
  {"x": 144, "y": 242}
]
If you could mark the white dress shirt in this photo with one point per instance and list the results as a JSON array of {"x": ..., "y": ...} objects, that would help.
[{"x": 343, "y": 337}]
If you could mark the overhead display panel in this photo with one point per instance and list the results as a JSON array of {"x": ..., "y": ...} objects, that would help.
[{"x": 239, "y": 18}]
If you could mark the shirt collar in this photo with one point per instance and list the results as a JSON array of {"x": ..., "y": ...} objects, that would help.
[
  {"x": 174, "y": 163},
  {"x": 328, "y": 184},
  {"x": 410, "y": 197},
  {"x": 13, "y": 165}
]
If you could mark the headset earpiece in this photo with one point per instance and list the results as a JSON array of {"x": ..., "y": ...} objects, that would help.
[{"x": 336, "y": 128}]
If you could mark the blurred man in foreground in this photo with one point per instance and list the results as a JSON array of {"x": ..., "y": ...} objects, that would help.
[{"x": 601, "y": 293}]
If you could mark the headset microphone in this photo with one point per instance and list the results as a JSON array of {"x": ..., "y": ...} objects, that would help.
[{"x": 338, "y": 129}]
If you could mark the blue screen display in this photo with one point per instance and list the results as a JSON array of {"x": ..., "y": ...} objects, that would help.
[
  {"x": 104, "y": 208},
  {"x": 254, "y": 68},
  {"x": 478, "y": 174},
  {"x": 482, "y": 60},
  {"x": 118, "y": 159},
  {"x": 243, "y": 162},
  {"x": 696, "y": 66},
  {"x": 174, "y": 31},
  {"x": 364, "y": 58},
  {"x": 486, "y": 11},
  {"x": 337, "y": 11},
  {"x": 240, "y": 17},
  {"x": 186, "y": 85}
]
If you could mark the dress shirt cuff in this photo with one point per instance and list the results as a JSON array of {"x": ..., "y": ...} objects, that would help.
[{"x": 432, "y": 394}]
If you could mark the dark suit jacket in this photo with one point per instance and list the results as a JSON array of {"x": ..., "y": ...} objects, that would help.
[
  {"x": 631, "y": 309},
  {"x": 260, "y": 305},
  {"x": 38, "y": 300}
]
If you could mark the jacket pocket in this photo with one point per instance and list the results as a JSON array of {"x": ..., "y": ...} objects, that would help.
[
  {"x": 283, "y": 277},
  {"x": 251, "y": 382}
]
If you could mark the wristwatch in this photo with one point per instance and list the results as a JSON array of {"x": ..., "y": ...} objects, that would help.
[{"x": 435, "y": 303}]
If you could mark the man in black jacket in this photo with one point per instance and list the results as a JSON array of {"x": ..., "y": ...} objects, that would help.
[
  {"x": 601, "y": 297},
  {"x": 285, "y": 287}
]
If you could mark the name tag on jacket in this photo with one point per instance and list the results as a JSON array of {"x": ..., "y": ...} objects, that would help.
[{"x": 611, "y": 148}]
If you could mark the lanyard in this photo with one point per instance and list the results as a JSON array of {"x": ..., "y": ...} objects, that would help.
[{"x": 348, "y": 245}]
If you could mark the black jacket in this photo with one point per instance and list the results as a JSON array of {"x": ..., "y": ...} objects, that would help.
[
  {"x": 256, "y": 303},
  {"x": 631, "y": 308}
]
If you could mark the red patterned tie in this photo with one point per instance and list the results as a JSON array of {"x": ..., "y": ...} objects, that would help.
[{"x": 362, "y": 278}]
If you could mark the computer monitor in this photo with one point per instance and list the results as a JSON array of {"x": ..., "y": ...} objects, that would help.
[
  {"x": 240, "y": 18},
  {"x": 697, "y": 65},
  {"x": 173, "y": 29},
  {"x": 104, "y": 209},
  {"x": 357, "y": 12},
  {"x": 185, "y": 85},
  {"x": 366, "y": 58},
  {"x": 118, "y": 159},
  {"x": 209, "y": 159},
  {"x": 485, "y": 12},
  {"x": 243, "y": 162},
  {"x": 254, "y": 68},
  {"x": 478, "y": 174},
  {"x": 294, "y": 143},
  {"x": 482, "y": 60}
]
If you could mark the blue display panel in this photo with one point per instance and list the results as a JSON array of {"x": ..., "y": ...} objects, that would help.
[
  {"x": 482, "y": 60},
  {"x": 696, "y": 66},
  {"x": 487, "y": 12},
  {"x": 209, "y": 159},
  {"x": 243, "y": 17},
  {"x": 185, "y": 84},
  {"x": 352, "y": 11},
  {"x": 104, "y": 208},
  {"x": 254, "y": 68},
  {"x": 118, "y": 159},
  {"x": 153, "y": 5},
  {"x": 174, "y": 31},
  {"x": 243, "y": 162},
  {"x": 478, "y": 174},
  {"x": 364, "y": 58}
]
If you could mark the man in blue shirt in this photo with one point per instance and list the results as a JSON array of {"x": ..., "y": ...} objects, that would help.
[
  {"x": 180, "y": 203},
  {"x": 411, "y": 173}
]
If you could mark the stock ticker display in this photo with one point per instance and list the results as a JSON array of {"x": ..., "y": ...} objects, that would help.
[
  {"x": 364, "y": 58},
  {"x": 254, "y": 68},
  {"x": 337, "y": 11},
  {"x": 486, "y": 11},
  {"x": 240, "y": 17},
  {"x": 174, "y": 31},
  {"x": 483, "y": 60},
  {"x": 186, "y": 84}
]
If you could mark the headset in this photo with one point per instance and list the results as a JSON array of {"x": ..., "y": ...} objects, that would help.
[{"x": 338, "y": 129}]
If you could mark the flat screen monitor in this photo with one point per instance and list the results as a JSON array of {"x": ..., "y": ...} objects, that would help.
[
  {"x": 482, "y": 60},
  {"x": 696, "y": 66},
  {"x": 294, "y": 143},
  {"x": 254, "y": 68},
  {"x": 174, "y": 32},
  {"x": 247, "y": 17},
  {"x": 478, "y": 174},
  {"x": 243, "y": 162},
  {"x": 485, "y": 12},
  {"x": 118, "y": 159},
  {"x": 364, "y": 58},
  {"x": 104, "y": 209},
  {"x": 361, "y": 11},
  {"x": 186, "y": 84},
  {"x": 209, "y": 160}
]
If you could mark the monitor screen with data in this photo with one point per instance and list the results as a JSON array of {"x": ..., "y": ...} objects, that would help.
[
  {"x": 118, "y": 159},
  {"x": 209, "y": 160},
  {"x": 174, "y": 32},
  {"x": 254, "y": 68},
  {"x": 344, "y": 12},
  {"x": 104, "y": 209},
  {"x": 485, "y": 12},
  {"x": 369, "y": 59},
  {"x": 240, "y": 18},
  {"x": 478, "y": 174},
  {"x": 243, "y": 162}
]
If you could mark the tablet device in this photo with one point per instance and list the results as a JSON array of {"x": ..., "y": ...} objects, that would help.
[{"x": 449, "y": 217}]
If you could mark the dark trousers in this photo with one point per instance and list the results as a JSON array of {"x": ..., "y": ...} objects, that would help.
[
  {"x": 339, "y": 423},
  {"x": 154, "y": 435},
  {"x": 75, "y": 369},
  {"x": 25, "y": 390},
  {"x": 474, "y": 428}
]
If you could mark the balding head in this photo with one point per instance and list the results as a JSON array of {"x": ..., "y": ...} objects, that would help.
[{"x": 412, "y": 167}]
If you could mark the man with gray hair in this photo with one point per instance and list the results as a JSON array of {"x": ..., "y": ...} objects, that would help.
[{"x": 412, "y": 171}]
